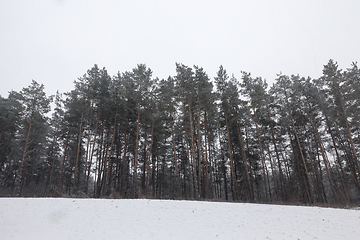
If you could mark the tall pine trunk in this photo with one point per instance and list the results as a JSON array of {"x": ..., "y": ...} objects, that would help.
[
  {"x": 245, "y": 162},
  {"x": 282, "y": 183},
  {"x": 345, "y": 181},
  {"x": 124, "y": 165},
  {"x": 91, "y": 156},
  {"x": 52, "y": 160},
  {"x": 323, "y": 154},
  {"x": 175, "y": 158},
  {"x": 63, "y": 161},
  {"x": 145, "y": 182},
  {"x": 135, "y": 188},
  {"x": 300, "y": 149},
  {"x": 266, "y": 178},
  {"x": 109, "y": 161},
  {"x": 87, "y": 148},
  {"x": 206, "y": 177},
  {"x": 347, "y": 126},
  {"x": 232, "y": 164},
  {"x": 196, "y": 188},
  {"x": 190, "y": 159},
  {"x": 199, "y": 148},
  {"x": 77, "y": 178},
  {"x": 21, "y": 177}
]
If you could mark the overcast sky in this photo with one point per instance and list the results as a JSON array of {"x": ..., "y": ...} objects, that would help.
[{"x": 56, "y": 41}]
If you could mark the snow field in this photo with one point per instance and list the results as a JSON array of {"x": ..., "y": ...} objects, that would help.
[{"x": 55, "y": 218}]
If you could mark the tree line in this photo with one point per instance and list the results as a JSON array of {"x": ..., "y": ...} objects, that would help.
[{"x": 133, "y": 135}]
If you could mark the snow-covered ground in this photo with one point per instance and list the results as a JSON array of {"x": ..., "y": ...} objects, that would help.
[{"x": 54, "y": 218}]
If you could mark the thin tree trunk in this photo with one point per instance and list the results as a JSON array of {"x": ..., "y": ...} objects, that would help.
[
  {"x": 345, "y": 182},
  {"x": 318, "y": 177},
  {"x": 158, "y": 182},
  {"x": 196, "y": 190},
  {"x": 272, "y": 170},
  {"x": 2, "y": 131},
  {"x": 232, "y": 165},
  {"x": 321, "y": 147},
  {"x": 23, "y": 157},
  {"x": 9, "y": 170},
  {"x": 287, "y": 168},
  {"x": 223, "y": 171},
  {"x": 267, "y": 187},
  {"x": 63, "y": 162},
  {"x": 87, "y": 147},
  {"x": 300, "y": 149},
  {"x": 252, "y": 175},
  {"x": 77, "y": 179},
  {"x": 347, "y": 126},
  {"x": 100, "y": 160},
  {"x": 118, "y": 162},
  {"x": 282, "y": 184},
  {"x": 301, "y": 183},
  {"x": 321, "y": 176},
  {"x": 199, "y": 148},
  {"x": 91, "y": 157},
  {"x": 189, "y": 158},
  {"x": 163, "y": 165},
  {"x": 52, "y": 159},
  {"x": 350, "y": 162},
  {"x": 151, "y": 147},
  {"x": 174, "y": 150},
  {"x": 135, "y": 190},
  {"x": 109, "y": 165},
  {"x": 122, "y": 181},
  {"x": 105, "y": 163},
  {"x": 212, "y": 186},
  {"x": 154, "y": 163},
  {"x": 206, "y": 177},
  {"x": 143, "y": 178},
  {"x": 243, "y": 155}
]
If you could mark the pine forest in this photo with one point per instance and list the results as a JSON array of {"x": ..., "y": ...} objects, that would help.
[{"x": 227, "y": 138}]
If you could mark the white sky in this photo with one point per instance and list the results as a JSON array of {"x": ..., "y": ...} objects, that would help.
[{"x": 56, "y": 41}]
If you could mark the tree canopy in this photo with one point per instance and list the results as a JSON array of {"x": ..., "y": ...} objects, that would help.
[{"x": 188, "y": 136}]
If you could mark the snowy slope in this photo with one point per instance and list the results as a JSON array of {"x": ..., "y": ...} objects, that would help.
[{"x": 155, "y": 219}]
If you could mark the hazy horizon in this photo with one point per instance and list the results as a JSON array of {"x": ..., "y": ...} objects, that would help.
[{"x": 55, "y": 42}]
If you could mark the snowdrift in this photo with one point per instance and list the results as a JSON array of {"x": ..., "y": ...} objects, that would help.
[{"x": 54, "y": 218}]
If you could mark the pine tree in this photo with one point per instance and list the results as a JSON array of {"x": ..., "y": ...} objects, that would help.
[
  {"x": 255, "y": 90},
  {"x": 34, "y": 121},
  {"x": 10, "y": 121},
  {"x": 53, "y": 151},
  {"x": 186, "y": 91}
]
